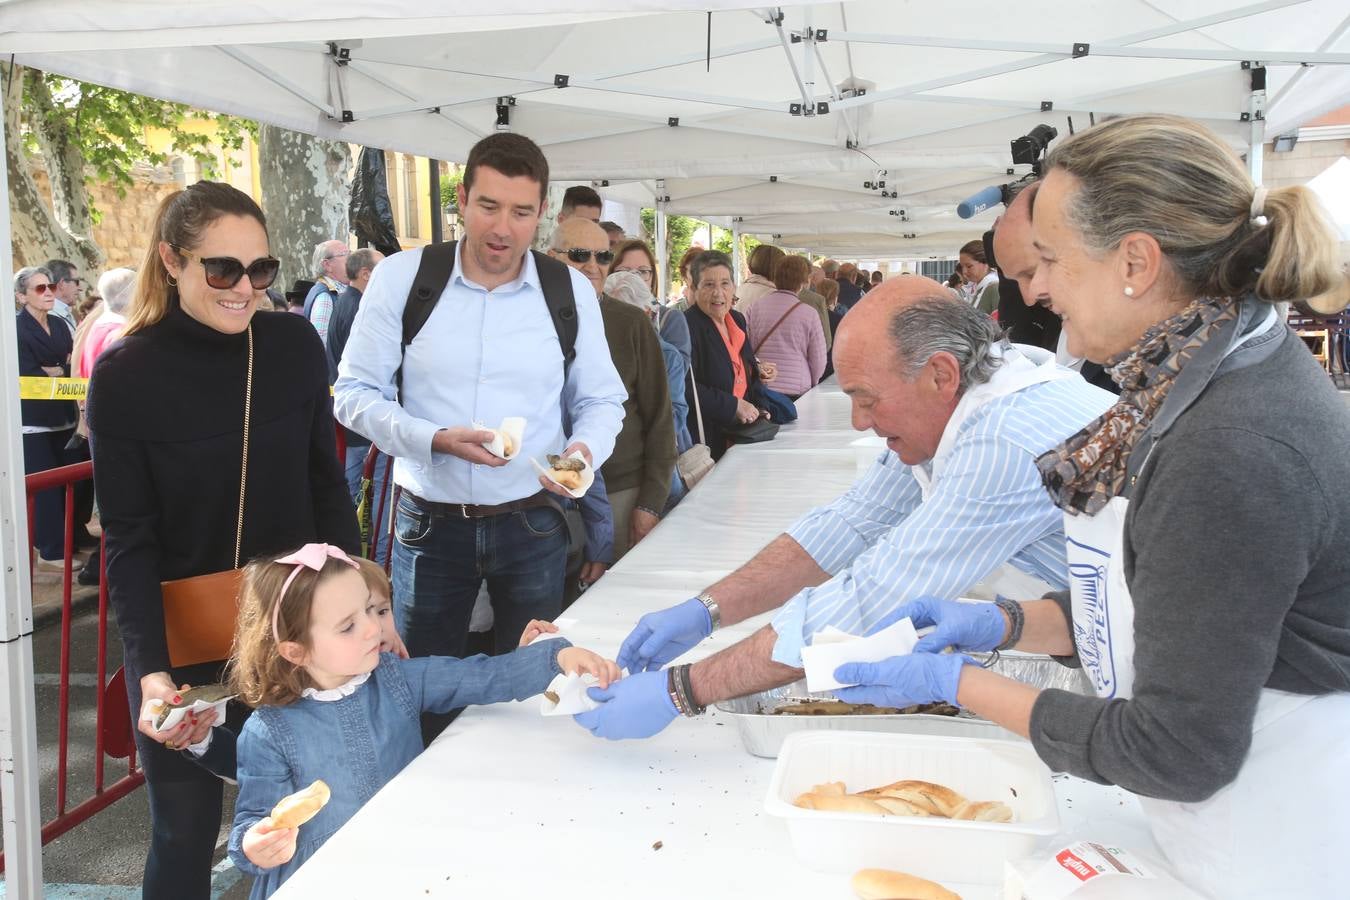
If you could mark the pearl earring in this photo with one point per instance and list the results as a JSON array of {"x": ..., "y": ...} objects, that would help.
[{"x": 1129, "y": 291}]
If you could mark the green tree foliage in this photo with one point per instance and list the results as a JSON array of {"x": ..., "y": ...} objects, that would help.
[
  {"x": 449, "y": 187},
  {"x": 109, "y": 126}
]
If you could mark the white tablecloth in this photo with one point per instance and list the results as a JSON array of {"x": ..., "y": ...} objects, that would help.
[{"x": 508, "y": 804}]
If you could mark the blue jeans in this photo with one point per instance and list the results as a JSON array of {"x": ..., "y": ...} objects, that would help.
[
  {"x": 384, "y": 464},
  {"x": 441, "y": 559}
]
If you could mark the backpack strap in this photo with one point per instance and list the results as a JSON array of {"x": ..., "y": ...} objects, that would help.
[
  {"x": 555, "y": 279},
  {"x": 433, "y": 274}
]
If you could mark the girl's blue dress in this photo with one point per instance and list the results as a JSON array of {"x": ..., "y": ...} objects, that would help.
[{"x": 359, "y": 736}]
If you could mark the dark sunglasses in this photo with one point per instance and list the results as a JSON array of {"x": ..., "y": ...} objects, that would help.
[
  {"x": 224, "y": 272},
  {"x": 582, "y": 255}
]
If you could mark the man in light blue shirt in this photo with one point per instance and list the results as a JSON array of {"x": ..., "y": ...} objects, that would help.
[
  {"x": 956, "y": 497},
  {"x": 489, "y": 350}
]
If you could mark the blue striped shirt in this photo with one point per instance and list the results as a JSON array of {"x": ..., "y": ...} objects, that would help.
[{"x": 884, "y": 545}]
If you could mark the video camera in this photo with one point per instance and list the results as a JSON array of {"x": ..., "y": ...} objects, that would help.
[{"x": 1027, "y": 150}]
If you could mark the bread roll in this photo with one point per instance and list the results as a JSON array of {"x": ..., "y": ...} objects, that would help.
[
  {"x": 569, "y": 480},
  {"x": 984, "y": 811},
  {"x": 851, "y": 803},
  {"x": 938, "y": 799},
  {"x": 298, "y": 808},
  {"x": 897, "y": 807},
  {"x": 831, "y": 787},
  {"x": 883, "y": 884}
]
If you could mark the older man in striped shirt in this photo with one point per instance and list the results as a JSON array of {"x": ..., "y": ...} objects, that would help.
[{"x": 956, "y": 499}]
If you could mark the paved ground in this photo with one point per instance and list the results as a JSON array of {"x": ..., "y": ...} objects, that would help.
[{"x": 102, "y": 858}]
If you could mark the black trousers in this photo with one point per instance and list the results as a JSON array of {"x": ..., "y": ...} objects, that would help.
[
  {"x": 186, "y": 803},
  {"x": 47, "y": 450}
]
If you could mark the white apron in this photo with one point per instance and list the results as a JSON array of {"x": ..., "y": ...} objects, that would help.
[
  {"x": 1022, "y": 367},
  {"x": 1281, "y": 829}
]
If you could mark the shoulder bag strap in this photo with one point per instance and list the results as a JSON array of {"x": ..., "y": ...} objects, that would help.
[
  {"x": 698, "y": 409},
  {"x": 243, "y": 465},
  {"x": 791, "y": 309}
]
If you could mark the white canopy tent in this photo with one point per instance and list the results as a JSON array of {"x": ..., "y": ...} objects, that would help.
[{"x": 787, "y": 118}]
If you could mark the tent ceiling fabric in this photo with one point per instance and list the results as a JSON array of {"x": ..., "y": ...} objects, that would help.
[{"x": 938, "y": 111}]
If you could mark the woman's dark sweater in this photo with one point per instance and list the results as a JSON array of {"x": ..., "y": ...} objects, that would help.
[
  {"x": 714, "y": 377},
  {"x": 1235, "y": 555},
  {"x": 38, "y": 348},
  {"x": 166, "y": 412}
]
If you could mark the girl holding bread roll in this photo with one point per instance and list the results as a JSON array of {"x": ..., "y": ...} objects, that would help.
[{"x": 335, "y": 718}]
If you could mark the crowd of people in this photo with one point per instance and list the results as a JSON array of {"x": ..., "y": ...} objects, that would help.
[{"x": 1214, "y": 671}]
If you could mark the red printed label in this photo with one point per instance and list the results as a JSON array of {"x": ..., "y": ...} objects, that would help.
[{"x": 1081, "y": 870}]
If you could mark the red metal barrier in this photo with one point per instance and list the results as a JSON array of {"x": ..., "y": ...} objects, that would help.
[{"x": 67, "y": 817}]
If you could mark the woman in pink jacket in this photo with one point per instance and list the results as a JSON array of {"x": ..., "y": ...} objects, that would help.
[{"x": 787, "y": 332}]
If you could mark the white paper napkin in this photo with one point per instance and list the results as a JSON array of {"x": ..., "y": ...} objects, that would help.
[
  {"x": 587, "y": 475},
  {"x": 831, "y": 648},
  {"x": 176, "y": 716},
  {"x": 511, "y": 425},
  {"x": 572, "y": 696}
]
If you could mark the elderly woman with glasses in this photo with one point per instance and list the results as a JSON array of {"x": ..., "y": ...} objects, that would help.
[
  {"x": 726, "y": 378},
  {"x": 214, "y": 444},
  {"x": 45, "y": 343}
]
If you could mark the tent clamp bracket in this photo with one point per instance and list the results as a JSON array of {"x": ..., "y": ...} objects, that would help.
[
  {"x": 1081, "y": 50},
  {"x": 560, "y": 81},
  {"x": 348, "y": 117},
  {"x": 673, "y": 122},
  {"x": 1047, "y": 105}
]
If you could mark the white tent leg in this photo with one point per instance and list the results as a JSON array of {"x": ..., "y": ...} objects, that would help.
[
  {"x": 662, "y": 260},
  {"x": 18, "y": 712},
  {"x": 1256, "y": 144},
  {"x": 736, "y": 247}
]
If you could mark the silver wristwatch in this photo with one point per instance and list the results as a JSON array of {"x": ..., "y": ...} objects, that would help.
[{"x": 714, "y": 611}]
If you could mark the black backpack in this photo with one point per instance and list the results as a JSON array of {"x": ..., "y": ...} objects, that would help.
[{"x": 433, "y": 274}]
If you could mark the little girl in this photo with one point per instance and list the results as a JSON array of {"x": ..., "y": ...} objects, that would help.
[{"x": 330, "y": 706}]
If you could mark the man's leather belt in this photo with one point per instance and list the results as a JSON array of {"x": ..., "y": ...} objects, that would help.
[{"x": 475, "y": 511}]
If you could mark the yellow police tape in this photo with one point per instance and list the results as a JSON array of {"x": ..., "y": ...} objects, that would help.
[{"x": 34, "y": 388}]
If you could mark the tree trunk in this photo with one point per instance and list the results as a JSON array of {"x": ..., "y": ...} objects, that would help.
[
  {"x": 36, "y": 233},
  {"x": 306, "y": 186},
  {"x": 65, "y": 161}
]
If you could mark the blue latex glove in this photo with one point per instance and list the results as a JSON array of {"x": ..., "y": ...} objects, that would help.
[
  {"x": 638, "y": 706},
  {"x": 903, "y": 680},
  {"x": 662, "y": 636},
  {"x": 973, "y": 627}
]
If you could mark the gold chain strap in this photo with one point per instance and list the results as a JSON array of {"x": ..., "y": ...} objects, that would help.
[{"x": 243, "y": 468}]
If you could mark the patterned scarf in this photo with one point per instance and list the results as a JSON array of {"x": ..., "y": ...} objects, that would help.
[{"x": 1085, "y": 472}]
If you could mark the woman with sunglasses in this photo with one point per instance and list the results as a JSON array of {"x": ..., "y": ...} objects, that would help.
[
  {"x": 45, "y": 342},
  {"x": 168, "y": 407}
]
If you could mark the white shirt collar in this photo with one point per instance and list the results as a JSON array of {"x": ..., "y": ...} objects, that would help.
[
  {"x": 528, "y": 275},
  {"x": 337, "y": 693}
]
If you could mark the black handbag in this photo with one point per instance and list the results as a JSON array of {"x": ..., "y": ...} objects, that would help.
[{"x": 758, "y": 431}]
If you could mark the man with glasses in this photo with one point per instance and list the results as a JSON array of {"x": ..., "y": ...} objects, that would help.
[
  {"x": 487, "y": 348},
  {"x": 330, "y": 276},
  {"x": 637, "y": 475},
  {"x": 66, "y": 283}
]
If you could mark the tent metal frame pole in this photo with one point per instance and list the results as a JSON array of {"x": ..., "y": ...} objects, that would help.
[
  {"x": 19, "y": 761},
  {"x": 279, "y": 80},
  {"x": 662, "y": 257},
  {"x": 1057, "y": 54},
  {"x": 385, "y": 83},
  {"x": 1294, "y": 79},
  {"x": 434, "y": 198}
]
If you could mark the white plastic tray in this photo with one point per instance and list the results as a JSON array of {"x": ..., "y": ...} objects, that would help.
[{"x": 939, "y": 849}]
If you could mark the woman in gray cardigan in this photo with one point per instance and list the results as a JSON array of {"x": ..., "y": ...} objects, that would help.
[{"x": 1206, "y": 516}]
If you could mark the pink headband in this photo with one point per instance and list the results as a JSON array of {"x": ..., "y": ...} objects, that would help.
[{"x": 310, "y": 556}]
